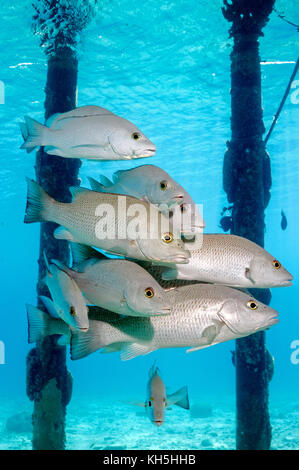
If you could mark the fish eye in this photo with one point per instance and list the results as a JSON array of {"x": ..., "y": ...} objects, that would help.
[
  {"x": 149, "y": 292},
  {"x": 167, "y": 237},
  {"x": 149, "y": 403},
  {"x": 252, "y": 304},
  {"x": 163, "y": 185},
  {"x": 73, "y": 311},
  {"x": 276, "y": 264},
  {"x": 136, "y": 136}
]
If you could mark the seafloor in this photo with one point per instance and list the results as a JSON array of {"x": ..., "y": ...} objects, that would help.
[{"x": 111, "y": 424}]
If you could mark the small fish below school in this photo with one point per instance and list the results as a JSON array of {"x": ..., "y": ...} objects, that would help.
[
  {"x": 152, "y": 184},
  {"x": 118, "y": 285},
  {"x": 284, "y": 222},
  {"x": 87, "y": 132},
  {"x": 67, "y": 298},
  {"x": 158, "y": 401},
  {"x": 233, "y": 261},
  {"x": 84, "y": 221},
  {"x": 202, "y": 315}
]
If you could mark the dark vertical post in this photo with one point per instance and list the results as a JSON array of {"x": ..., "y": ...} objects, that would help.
[
  {"x": 247, "y": 181},
  {"x": 49, "y": 383}
]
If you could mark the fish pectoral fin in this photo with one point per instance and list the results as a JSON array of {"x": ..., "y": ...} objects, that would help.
[
  {"x": 248, "y": 275},
  {"x": 50, "y": 306},
  {"x": 81, "y": 253},
  {"x": 142, "y": 405},
  {"x": 131, "y": 350},
  {"x": 61, "y": 233},
  {"x": 210, "y": 334},
  {"x": 179, "y": 398},
  {"x": 87, "y": 146}
]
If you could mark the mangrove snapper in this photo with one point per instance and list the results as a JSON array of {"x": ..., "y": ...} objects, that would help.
[
  {"x": 87, "y": 132},
  {"x": 108, "y": 221},
  {"x": 233, "y": 261}
]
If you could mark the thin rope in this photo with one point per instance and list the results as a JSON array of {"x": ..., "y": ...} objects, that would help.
[{"x": 276, "y": 116}]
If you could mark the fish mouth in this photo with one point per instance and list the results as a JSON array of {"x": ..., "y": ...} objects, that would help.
[
  {"x": 287, "y": 283},
  {"x": 158, "y": 422},
  {"x": 83, "y": 330},
  {"x": 273, "y": 320},
  {"x": 179, "y": 259},
  {"x": 144, "y": 153},
  {"x": 179, "y": 197}
]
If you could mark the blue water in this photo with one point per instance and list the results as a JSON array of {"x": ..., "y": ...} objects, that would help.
[{"x": 164, "y": 66}]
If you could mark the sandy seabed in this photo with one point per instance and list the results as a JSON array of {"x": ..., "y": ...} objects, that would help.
[{"x": 110, "y": 424}]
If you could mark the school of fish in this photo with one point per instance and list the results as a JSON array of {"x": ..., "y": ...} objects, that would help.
[{"x": 107, "y": 301}]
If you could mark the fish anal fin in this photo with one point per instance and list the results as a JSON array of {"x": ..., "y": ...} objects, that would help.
[{"x": 131, "y": 350}]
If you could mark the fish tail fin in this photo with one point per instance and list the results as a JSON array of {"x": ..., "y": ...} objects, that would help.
[
  {"x": 85, "y": 343},
  {"x": 180, "y": 398},
  {"x": 38, "y": 203},
  {"x": 38, "y": 323},
  {"x": 33, "y": 133},
  {"x": 95, "y": 185}
]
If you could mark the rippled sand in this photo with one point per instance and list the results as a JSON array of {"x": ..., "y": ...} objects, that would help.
[{"x": 115, "y": 425}]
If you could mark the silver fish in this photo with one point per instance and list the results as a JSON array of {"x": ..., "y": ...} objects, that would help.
[
  {"x": 67, "y": 297},
  {"x": 118, "y": 285},
  {"x": 202, "y": 315},
  {"x": 233, "y": 261},
  {"x": 87, "y": 132},
  {"x": 157, "y": 400},
  {"x": 83, "y": 221},
  {"x": 152, "y": 184}
]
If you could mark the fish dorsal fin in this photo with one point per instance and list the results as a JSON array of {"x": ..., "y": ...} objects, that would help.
[
  {"x": 95, "y": 185},
  {"x": 83, "y": 111},
  {"x": 154, "y": 370},
  {"x": 82, "y": 253},
  {"x": 179, "y": 398},
  {"x": 170, "y": 274},
  {"x": 117, "y": 175},
  {"x": 105, "y": 181},
  {"x": 131, "y": 350},
  {"x": 77, "y": 190}
]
